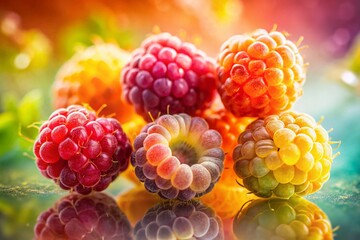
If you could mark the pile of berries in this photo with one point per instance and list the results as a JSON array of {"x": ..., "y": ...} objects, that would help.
[{"x": 194, "y": 110}]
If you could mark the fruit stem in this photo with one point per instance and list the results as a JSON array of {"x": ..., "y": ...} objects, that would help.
[
  {"x": 26, "y": 154},
  {"x": 23, "y": 136}
]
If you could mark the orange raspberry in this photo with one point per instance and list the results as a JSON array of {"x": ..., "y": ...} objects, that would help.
[
  {"x": 92, "y": 76},
  {"x": 260, "y": 73},
  {"x": 226, "y": 193}
]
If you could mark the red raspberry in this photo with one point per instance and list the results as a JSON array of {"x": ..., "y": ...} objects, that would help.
[
  {"x": 179, "y": 220},
  {"x": 260, "y": 73},
  {"x": 75, "y": 216},
  {"x": 166, "y": 75},
  {"x": 80, "y": 151}
]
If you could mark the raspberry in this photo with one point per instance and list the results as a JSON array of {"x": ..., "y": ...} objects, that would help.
[
  {"x": 229, "y": 126},
  {"x": 92, "y": 76},
  {"x": 75, "y": 216},
  {"x": 179, "y": 220},
  {"x": 178, "y": 156},
  {"x": 296, "y": 218},
  {"x": 168, "y": 76},
  {"x": 260, "y": 74},
  {"x": 226, "y": 192},
  {"x": 283, "y": 155},
  {"x": 80, "y": 151}
]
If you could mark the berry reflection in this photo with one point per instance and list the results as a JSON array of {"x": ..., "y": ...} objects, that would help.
[
  {"x": 94, "y": 216},
  {"x": 179, "y": 220},
  {"x": 296, "y": 218}
]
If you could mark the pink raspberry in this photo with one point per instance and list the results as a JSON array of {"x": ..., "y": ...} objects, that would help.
[
  {"x": 75, "y": 216},
  {"x": 179, "y": 220},
  {"x": 178, "y": 156},
  {"x": 166, "y": 75},
  {"x": 81, "y": 151}
]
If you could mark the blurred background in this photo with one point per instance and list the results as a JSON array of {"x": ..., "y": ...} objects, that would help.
[{"x": 37, "y": 37}]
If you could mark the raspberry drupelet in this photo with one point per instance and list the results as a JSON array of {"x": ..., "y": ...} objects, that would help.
[
  {"x": 178, "y": 156},
  {"x": 92, "y": 76},
  {"x": 260, "y": 74},
  {"x": 168, "y": 76},
  {"x": 179, "y": 220},
  {"x": 76, "y": 217},
  {"x": 283, "y": 155},
  {"x": 81, "y": 151},
  {"x": 295, "y": 218}
]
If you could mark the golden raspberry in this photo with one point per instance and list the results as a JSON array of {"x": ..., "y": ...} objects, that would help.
[
  {"x": 261, "y": 73},
  {"x": 295, "y": 218},
  {"x": 283, "y": 155},
  {"x": 92, "y": 76}
]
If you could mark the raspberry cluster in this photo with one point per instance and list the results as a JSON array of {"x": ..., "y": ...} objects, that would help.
[
  {"x": 92, "y": 76},
  {"x": 179, "y": 220},
  {"x": 178, "y": 156},
  {"x": 166, "y": 75},
  {"x": 260, "y": 73},
  {"x": 295, "y": 218},
  {"x": 77, "y": 217},
  {"x": 189, "y": 146},
  {"x": 81, "y": 151},
  {"x": 282, "y": 155}
]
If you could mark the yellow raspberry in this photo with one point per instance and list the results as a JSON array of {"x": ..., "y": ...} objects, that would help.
[
  {"x": 92, "y": 76},
  {"x": 260, "y": 73},
  {"x": 283, "y": 155},
  {"x": 295, "y": 218}
]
